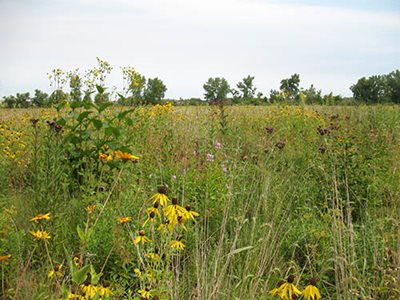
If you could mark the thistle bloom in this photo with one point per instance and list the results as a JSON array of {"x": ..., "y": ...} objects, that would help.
[
  {"x": 178, "y": 245},
  {"x": 123, "y": 220},
  {"x": 141, "y": 238},
  {"x": 40, "y": 234},
  {"x": 311, "y": 292},
  {"x": 126, "y": 156},
  {"x": 160, "y": 196},
  {"x": 5, "y": 257},
  {"x": 40, "y": 217}
]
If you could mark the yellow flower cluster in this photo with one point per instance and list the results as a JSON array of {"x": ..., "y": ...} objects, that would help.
[
  {"x": 287, "y": 290},
  {"x": 90, "y": 291},
  {"x": 124, "y": 156},
  {"x": 279, "y": 112},
  {"x": 161, "y": 109},
  {"x": 13, "y": 144},
  {"x": 40, "y": 234}
]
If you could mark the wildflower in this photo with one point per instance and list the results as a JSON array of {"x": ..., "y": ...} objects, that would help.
[
  {"x": 189, "y": 213},
  {"x": 150, "y": 218},
  {"x": 280, "y": 145},
  {"x": 322, "y": 149},
  {"x": 123, "y": 220},
  {"x": 161, "y": 196},
  {"x": 218, "y": 145},
  {"x": 5, "y": 257},
  {"x": 145, "y": 293},
  {"x": 77, "y": 260},
  {"x": 40, "y": 235},
  {"x": 174, "y": 210},
  {"x": 104, "y": 289},
  {"x": 126, "y": 156},
  {"x": 269, "y": 130},
  {"x": 153, "y": 256},
  {"x": 40, "y": 217},
  {"x": 89, "y": 290},
  {"x": 210, "y": 157},
  {"x": 288, "y": 290},
  {"x": 154, "y": 209},
  {"x": 56, "y": 271},
  {"x": 278, "y": 291},
  {"x": 34, "y": 122},
  {"x": 177, "y": 244},
  {"x": 91, "y": 208},
  {"x": 141, "y": 238},
  {"x": 311, "y": 292},
  {"x": 105, "y": 157},
  {"x": 137, "y": 272},
  {"x": 173, "y": 177},
  {"x": 224, "y": 168}
]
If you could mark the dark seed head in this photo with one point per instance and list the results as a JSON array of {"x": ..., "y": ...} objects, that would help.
[
  {"x": 147, "y": 289},
  {"x": 152, "y": 214},
  {"x": 188, "y": 207},
  {"x": 162, "y": 190},
  {"x": 106, "y": 284},
  {"x": 156, "y": 204},
  {"x": 174, "y": 201},
  {"x": 141, "y": 233},
  {"x": 280, "y": 145},
  {"x": 155, "y": 297},
  {"x": 322, "y": 149},
  {"x": 291, "y": 278},
  {"x": 156, "y": 250},
  {"x": 281, "y": 282},
  {"x": 313, "y": 281}
]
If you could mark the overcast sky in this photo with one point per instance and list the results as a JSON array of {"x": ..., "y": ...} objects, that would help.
[{"x": 184, "y": 42}]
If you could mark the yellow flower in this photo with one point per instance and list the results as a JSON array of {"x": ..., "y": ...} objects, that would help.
[
  {"x": 126, "y": 156},
  {"x": 137, "y": 272},
  {"x": 56, "y": 271},
  {"x": 104, "y": 290},
  {"x": 123, "y": 220},
  {"x": 153, "y": 256},
  {"x": 178, "y": 245},
  {"x": 141, "y": 238},
  {"x": 41, "y": 217},
  {"x": 311, "y": 292},
  {"x": 91, "y": 208},
  {"x": 174, "y": 210},
  {"x": 160, "y": 196},
  {"x": 145, "y": 293},
  {"x": 287, "y": 290},
  {"x": 189, "y": 214},
  {"x": 278, "y": 291},
  {"x": 5, "y": 257},
  {"x": 89, "y": 290},
  {"x": 105, "y": 157},
  {"x": 40, "y": 234},
  {"x": 150, "y": 218}
]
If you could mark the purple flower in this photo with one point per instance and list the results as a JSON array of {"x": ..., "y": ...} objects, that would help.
[
  {"x": 224, "y": 168},
  {"x": 210, "y": 157},
  {"x": 218, "y": 145},
  {"x": 269, "y": 130}
]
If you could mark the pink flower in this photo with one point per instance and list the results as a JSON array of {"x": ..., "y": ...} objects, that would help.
[
  {"x": 210, "y": 157},
  {"x": 218, "y": 145}
]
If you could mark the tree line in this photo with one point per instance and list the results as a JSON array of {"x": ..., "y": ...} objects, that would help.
[{"x": 138, "y": 90}]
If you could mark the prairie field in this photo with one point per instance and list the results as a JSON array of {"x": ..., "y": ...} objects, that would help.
[{"x": 207, "y": 202}]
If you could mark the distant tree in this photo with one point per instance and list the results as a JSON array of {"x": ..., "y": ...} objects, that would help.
[
  {"x": 290, "y": 87},
  {"x": 393, "y": 86},
  {"x": 245, "y": 90},
  {"x": 134, "y": 85},
  {"x": 154, "y": 91},
  {"x": 369, "y": 90},
  {"x": 216, "y": 89},
  {"x": 312, "y": 95},
  {"x": 22, "y": 100},
  {"x": 75, "y": 84},
  {"x": 10, "y": 101},
  {"x": 40, "y": 99}
]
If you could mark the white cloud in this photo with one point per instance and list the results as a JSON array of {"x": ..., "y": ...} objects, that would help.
[{"x": 185, "y": 42}]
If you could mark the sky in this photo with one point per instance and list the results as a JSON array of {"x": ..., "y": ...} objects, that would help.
[{"x": 331, "y": 44}]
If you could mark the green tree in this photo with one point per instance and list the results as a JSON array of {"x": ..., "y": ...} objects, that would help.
[
  {"x": 40, "y": 99},
  {"x": 134, "y": 85},
  {"x": 154, "y": 91},
  {"x": 313, "y": 96},
  {"x": 10, "y": 101},
  {"x": 370, "y": 90},
  {"x": 290, "y": 87},
  {"x": 22, "y": 100},
  {"x": 393, "y": 86},
  {"x": 245, "y": 90},
  {"x": 216, "y": 89}
]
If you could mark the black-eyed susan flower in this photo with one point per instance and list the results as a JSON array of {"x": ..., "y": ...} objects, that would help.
[
  {"x": 57, "y": 272},
  {"x": 89, "y": 290},
  {"x": 155, "y": 257},
  {"x": 288, "y": 290},
  {"x": 161, "y": 196},
  {"x": 126, "y": 156},
  {"x": 150, "y": 218},
  {"x": 104, "y": 290},
  {"x": 5, "y": 257},
  {"x": 311, "y": 291},
  {"x": 141, "y": 238},
  {"x": 189, "y": 213},
  {"x": 40, "y": 217},
  {"x": 105, "y": 157},
  {"x": 40, "y": 234},
  {"x": 181, "y": 222},
  {"x": 278, "y": 291},
  {"x": 123, "y": 220},
  {"x": 177, "y": 245},
  {"x": 145, "y": 292},
  {"x": 154, "y": 209},
  {"x": 174, "y": 210}
]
